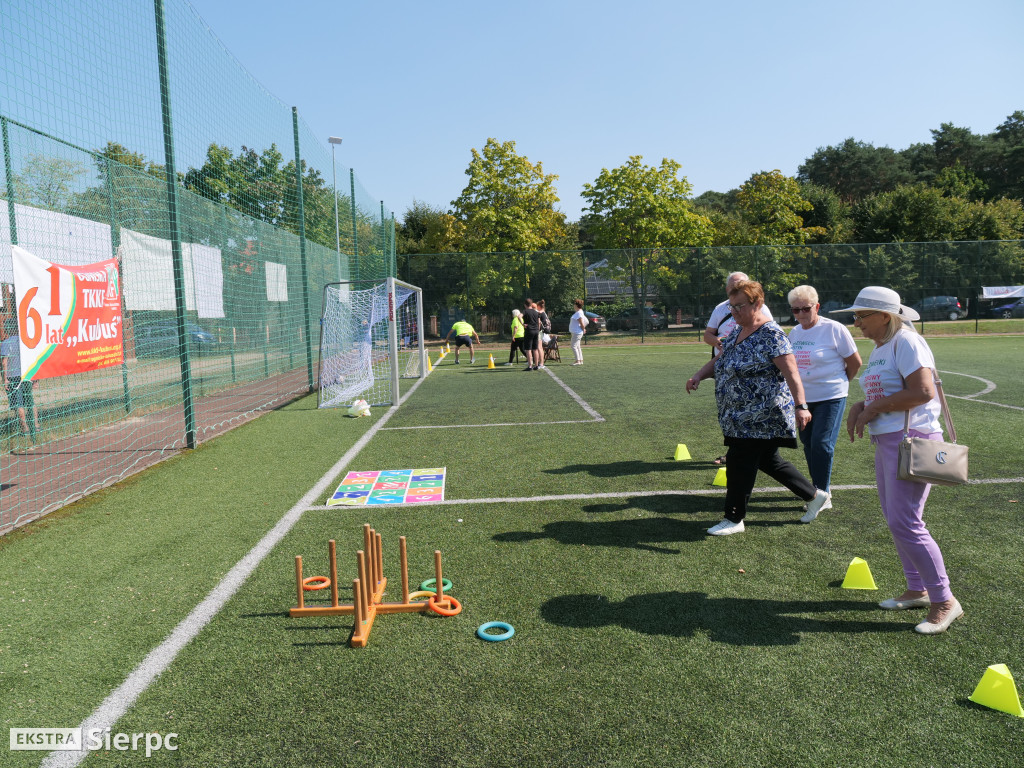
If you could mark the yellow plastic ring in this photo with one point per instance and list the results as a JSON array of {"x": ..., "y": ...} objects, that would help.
[{"x": 421, "y": 593}]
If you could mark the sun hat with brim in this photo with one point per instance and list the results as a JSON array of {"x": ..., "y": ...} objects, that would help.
[{"x": 880, "y": 299}]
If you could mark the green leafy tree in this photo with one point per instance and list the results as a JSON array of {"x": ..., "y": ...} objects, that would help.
[
  {"x": 638, "y": 209},
  {"x": 855, "y": 169},
  {"x": 508, "y": 203},
  {"x": 47, "y": 182}
]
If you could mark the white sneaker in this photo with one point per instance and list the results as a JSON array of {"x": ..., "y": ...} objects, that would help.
[
  {"x": 541, "y": 367},
  {"x": 826, "y": 505},
  {"x": 726, "y": 528},
  {"x": 815, "y": 505}
]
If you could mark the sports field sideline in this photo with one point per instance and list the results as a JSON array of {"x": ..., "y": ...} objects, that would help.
[{"x": 161, "y": 605}]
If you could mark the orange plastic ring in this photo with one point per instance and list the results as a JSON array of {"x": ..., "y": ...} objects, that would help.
[
  {"x": 312, "y": 583},
  {"x": 454, "y": 607}
]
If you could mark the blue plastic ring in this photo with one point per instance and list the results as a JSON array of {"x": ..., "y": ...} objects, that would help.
[{"x": 481, "y": 631}]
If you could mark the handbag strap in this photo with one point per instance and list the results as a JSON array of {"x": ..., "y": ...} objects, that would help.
[{"x": 942, "y": 401}]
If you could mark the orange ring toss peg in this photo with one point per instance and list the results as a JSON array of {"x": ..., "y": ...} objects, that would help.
[
  {"x": 454, "y": 607},
  {"x": 312, "y": 583}
]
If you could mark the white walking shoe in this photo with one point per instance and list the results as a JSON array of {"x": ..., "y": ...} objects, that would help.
[
  {"x": 815, "y": 505},
  {"x": 726, "y": 528}
]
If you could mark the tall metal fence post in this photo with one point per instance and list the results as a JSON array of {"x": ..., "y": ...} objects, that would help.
[
  {"x": 172, "y": 221},
  {"x": 354, "y": 270},
  {"x": 302, "y": 255},
  {"x": 12, "y": 220},
  {"x": 115, "y": 243}
]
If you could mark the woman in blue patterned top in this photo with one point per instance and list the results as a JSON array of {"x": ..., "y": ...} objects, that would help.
[{"x": 756, "y": 381}]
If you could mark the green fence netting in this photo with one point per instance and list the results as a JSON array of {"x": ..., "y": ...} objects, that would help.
[
  {"x": 222, "y": 270},
  {"x": 685, "y": 284}
]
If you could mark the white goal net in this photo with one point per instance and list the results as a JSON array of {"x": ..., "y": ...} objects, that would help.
[{"x": 371, "y": 335}]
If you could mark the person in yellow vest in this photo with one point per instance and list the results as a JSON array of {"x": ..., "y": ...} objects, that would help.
[
  {"x": 518, "y": 331},
  {"x": 464, "y": 335}
]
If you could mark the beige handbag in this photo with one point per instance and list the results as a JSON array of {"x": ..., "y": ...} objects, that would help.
[{"x": 933, "y": 461}]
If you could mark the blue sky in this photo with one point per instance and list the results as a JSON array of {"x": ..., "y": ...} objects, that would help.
[{"x": 726, "y": 88}]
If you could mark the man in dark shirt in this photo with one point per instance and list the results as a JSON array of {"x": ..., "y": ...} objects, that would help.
[{"x": 531, "y": 319}]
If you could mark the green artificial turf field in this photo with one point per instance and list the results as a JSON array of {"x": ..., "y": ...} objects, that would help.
[{"x": 640, "y": 640}]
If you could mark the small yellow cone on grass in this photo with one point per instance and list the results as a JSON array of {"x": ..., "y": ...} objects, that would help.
[
  {"x": 858, "y": 575},
  {"x": 719, "y": 477},
  {"x": 429, "y": 366},
  {"x": 447, "y": 348},
  {"x": 490, "y": 361},
  {"x": 682, "y": 453},
  {"x": 997, "y": 691}
]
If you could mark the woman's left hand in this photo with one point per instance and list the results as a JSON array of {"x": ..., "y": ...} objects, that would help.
[{"x": 803, "y": 418}]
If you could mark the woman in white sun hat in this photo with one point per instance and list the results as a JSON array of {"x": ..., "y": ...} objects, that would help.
[{"x": 898, "y": 378}]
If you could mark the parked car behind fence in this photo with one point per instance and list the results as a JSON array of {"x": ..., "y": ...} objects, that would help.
[
  {"x": 560, "y": 323},
  {"x": 940, "y": 308},
  {"x": 1014, "y": 309},
  {"x": 629, "y": 320},
  {"x": 161, "y": 338}
]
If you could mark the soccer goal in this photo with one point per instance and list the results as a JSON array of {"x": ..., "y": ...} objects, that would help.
[{"x": 371, "y": 336}]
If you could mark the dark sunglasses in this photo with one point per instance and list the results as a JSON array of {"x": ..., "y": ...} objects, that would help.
[{"x": 801, "y": 309}]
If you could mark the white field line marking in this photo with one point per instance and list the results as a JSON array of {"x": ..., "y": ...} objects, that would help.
[
  {"x": 159, "y": 659},
  {"x": 989, "y": 387},
  {"x": 502, "y": 424},
  {"x": 595, "y": 416},
  {"x": 625, "y": 494},
  {"x": 583, "y": 403}
]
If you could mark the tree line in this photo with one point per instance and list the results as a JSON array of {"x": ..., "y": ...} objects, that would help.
[{"x": 960, "y": 186}]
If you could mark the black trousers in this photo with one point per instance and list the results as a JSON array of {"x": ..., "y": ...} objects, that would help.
[
  {"x": 517, "y": 346},
  {"x": 744, "y": 461}
]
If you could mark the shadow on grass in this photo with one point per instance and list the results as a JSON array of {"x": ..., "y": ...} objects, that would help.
[
  {"x": 731, "y": 620},
  {"x": 623, "y": 468},
  {"x": 642, "y": 533}
]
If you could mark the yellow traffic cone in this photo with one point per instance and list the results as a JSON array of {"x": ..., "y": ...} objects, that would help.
[
  {"x": 858, "y": 575},
  {"x": 447, "y": 348},
  {"x": 429, "y": 366},
  {"x": 681, "y": 453},
  {"x": 490, "y": 361},
  {"x": 720, "y": 477},
  {"x": 997, "y": 691}
]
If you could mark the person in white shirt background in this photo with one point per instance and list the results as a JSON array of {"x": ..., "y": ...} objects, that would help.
[
  {"x": 577, "y": 327},
  {"x": 827, "y": 359}
]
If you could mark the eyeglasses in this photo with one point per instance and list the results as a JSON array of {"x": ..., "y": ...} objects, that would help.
[
  {"x": 862, "y": 316},
  {"x": 734, "y": 307},
  {"x": 801, "y": 309}
]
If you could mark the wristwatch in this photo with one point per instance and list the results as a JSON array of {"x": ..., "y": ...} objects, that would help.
[{"x": 802, "y": 407}]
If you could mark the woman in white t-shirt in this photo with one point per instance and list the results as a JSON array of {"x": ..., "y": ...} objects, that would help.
[
  {"x": 827, "y": 358},
  {"x": 899, "y": 378},
  {"x": 577, "y": 327}
]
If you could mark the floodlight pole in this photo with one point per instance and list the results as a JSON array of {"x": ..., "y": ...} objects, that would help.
[{"x": 335, "y": 141}]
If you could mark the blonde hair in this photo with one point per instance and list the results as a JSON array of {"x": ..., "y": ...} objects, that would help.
[
  {"x": 895, "y": 322},
  {"x": 803, "y": 293}
]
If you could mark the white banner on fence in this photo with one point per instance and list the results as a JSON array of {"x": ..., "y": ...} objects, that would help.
[
  {"x": 54, "y": 237},
  {"x": 148, "y": 269},
  {"x": 1002, "y": 292},
  {"x": 277, "y": 281}
]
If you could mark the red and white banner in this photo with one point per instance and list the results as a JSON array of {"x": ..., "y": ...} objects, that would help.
[{"x": 69, "y": 318}]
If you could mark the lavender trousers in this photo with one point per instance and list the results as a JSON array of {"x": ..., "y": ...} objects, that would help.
[{"x": 903, "y": 507}]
